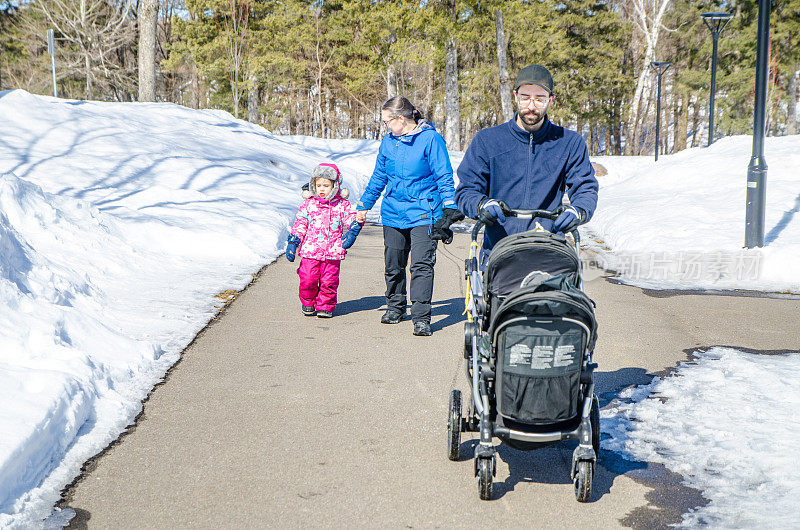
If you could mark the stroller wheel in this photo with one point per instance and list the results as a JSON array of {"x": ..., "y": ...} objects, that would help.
[
  {"x": 594, "y": 420},
  {"x": 454, "y": 425},
  {"x": 485, "y": 473},
  {"x": 583, "y": 481}
]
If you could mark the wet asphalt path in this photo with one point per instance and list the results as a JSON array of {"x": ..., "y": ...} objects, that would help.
[{"x": 274, "y": 420}]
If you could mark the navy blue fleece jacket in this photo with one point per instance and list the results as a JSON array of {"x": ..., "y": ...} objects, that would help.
[{"x": 527, "y": 171}]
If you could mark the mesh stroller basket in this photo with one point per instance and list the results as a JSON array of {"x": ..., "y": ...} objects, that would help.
[{"x": 541, "y": 336}]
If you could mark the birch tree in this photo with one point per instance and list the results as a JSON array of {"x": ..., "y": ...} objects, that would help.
[
  {"x": 647, "y": 16},
  {"x": 235, "y": 23}
]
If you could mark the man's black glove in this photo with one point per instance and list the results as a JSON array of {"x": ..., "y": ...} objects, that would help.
[
  {"x": 441, "y": 228},
  {"x": 570, "y": 218},
  {"x": 490, "y": 210}
]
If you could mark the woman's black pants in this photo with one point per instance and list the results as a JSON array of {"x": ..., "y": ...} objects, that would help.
[{"x": 400, "y": 244}]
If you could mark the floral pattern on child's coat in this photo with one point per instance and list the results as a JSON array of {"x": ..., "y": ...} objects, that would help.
[{"x": 320, "y": 223}]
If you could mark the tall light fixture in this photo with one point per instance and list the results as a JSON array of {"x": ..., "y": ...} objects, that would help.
[
  {"x": 757, "y": 170},
  {"x": 716, "y": 22},
  {"x": 659, "y": 67}
]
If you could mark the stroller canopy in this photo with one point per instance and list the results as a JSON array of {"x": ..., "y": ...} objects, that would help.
[{"x": 529, "y": 257}]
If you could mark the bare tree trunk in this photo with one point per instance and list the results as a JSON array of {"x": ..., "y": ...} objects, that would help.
[
  {"x": 148, "y": 21},
  {"x": 252, "y": 99},
  {"x": 195, "y": 87},
  {"x": 330, "y": 110},
  {"x": 88, "y": 66},
  {"x": 502, "y": 66},
  {"x": 791, "y": 88},
  {"x": 391, "y": 81},
  {"x": 236, "y": 35},
  {"x": 695, "y": 121},
  {"x": 452, "y": 134},
  {"x": 681, "y": 118},
  {"x": 429, "y": 92}
]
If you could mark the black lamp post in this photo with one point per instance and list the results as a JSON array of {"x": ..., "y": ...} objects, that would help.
[
  {"x": 757, "y": 170},
  {"x": 716, "y": 22},
  {"x": 659, "y": 67}
]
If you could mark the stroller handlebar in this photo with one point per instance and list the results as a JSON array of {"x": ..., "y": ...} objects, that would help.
[
  {"x": 522, "y": 214},
  {"x": 530, "y": 214}
]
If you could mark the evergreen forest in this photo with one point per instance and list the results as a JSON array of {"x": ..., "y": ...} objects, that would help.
[{"x": 324, "y": 67}]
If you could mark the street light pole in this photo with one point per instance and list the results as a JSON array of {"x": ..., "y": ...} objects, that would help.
[
  {"x": 659, "y": 67},
  {"x": 716, "y": 22},
  {"x": 757, "y": 170}
]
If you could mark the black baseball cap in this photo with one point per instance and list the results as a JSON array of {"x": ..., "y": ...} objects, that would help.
[{"x": 535, "y": 74}]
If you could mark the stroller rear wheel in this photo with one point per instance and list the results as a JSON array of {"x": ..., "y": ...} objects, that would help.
[
  {"x": 454, "y": 425},
  {"x": 583, "y": 481},
  {"x": 485, "y": 474}
]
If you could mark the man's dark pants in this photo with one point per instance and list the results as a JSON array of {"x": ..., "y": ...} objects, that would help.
[{"x": 399, "y": 245}]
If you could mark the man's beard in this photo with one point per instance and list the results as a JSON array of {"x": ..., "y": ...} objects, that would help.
[{"x": 531, "y": 118}]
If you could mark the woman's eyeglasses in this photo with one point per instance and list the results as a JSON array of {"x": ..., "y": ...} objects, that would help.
[
  {"x": 538, "y": 101},
  {"x": 390, "y": 120}
]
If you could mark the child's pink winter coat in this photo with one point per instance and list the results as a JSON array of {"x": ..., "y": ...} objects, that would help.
[{"x": 319, "y": 224}]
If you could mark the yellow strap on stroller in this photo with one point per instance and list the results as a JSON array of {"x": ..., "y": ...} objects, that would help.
[{"x": 472, "y": 248}]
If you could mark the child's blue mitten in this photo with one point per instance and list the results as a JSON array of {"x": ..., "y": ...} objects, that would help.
[
  {"x": 349, "y": 237},
  {"x": 291, "y": 246}
]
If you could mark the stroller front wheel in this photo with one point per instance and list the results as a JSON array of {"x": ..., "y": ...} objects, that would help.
[
  {"x": 485, "y": 474},
  {"x": 583, "y": 481}
]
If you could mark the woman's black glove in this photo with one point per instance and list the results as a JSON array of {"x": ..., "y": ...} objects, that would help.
[{"x": 441, "y": 228}]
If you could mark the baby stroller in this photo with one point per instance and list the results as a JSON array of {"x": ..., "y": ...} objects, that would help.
[{"x": 528, "y": 344}]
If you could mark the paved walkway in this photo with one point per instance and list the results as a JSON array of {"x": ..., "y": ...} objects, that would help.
[{"x": 272, "y": 419}]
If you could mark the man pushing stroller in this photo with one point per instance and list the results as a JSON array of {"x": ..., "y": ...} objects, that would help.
[
  {"x": 526, "y": 163},
  {"x": 530, "y": 330}
]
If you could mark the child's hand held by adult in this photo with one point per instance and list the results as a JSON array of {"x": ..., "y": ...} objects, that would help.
[
  {"x": 291, "y": 246},
  {"x": 349, "y": 237}
]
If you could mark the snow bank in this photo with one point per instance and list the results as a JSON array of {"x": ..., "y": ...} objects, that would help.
[
  {"x": 727, "y": 422},
  {"x": 679, "y": 223},
  {"x": 119, "y": 223}
]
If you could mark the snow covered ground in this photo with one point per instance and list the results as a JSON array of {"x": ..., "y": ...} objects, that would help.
[
  {"x": 727, "y": 422},
  {"x": 121, "y": 223},
  {"x": 679, "y": 223}
]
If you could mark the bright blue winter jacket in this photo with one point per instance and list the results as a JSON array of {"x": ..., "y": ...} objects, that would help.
[
  {"x": 527, "y": 171},
  {"x": 415, "y": 170}
]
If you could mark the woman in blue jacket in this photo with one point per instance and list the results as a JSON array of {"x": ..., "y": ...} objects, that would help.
[{"x": 414, "y": 169}]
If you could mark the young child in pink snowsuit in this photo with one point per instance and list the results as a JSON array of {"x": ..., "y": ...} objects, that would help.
[{"x": 325, "y": 225}]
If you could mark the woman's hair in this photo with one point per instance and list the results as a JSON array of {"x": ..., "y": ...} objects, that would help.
[{"x": 400, "y": 106}]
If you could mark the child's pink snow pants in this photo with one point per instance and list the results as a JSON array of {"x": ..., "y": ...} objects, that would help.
[{"x": 319, "y": 280}]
